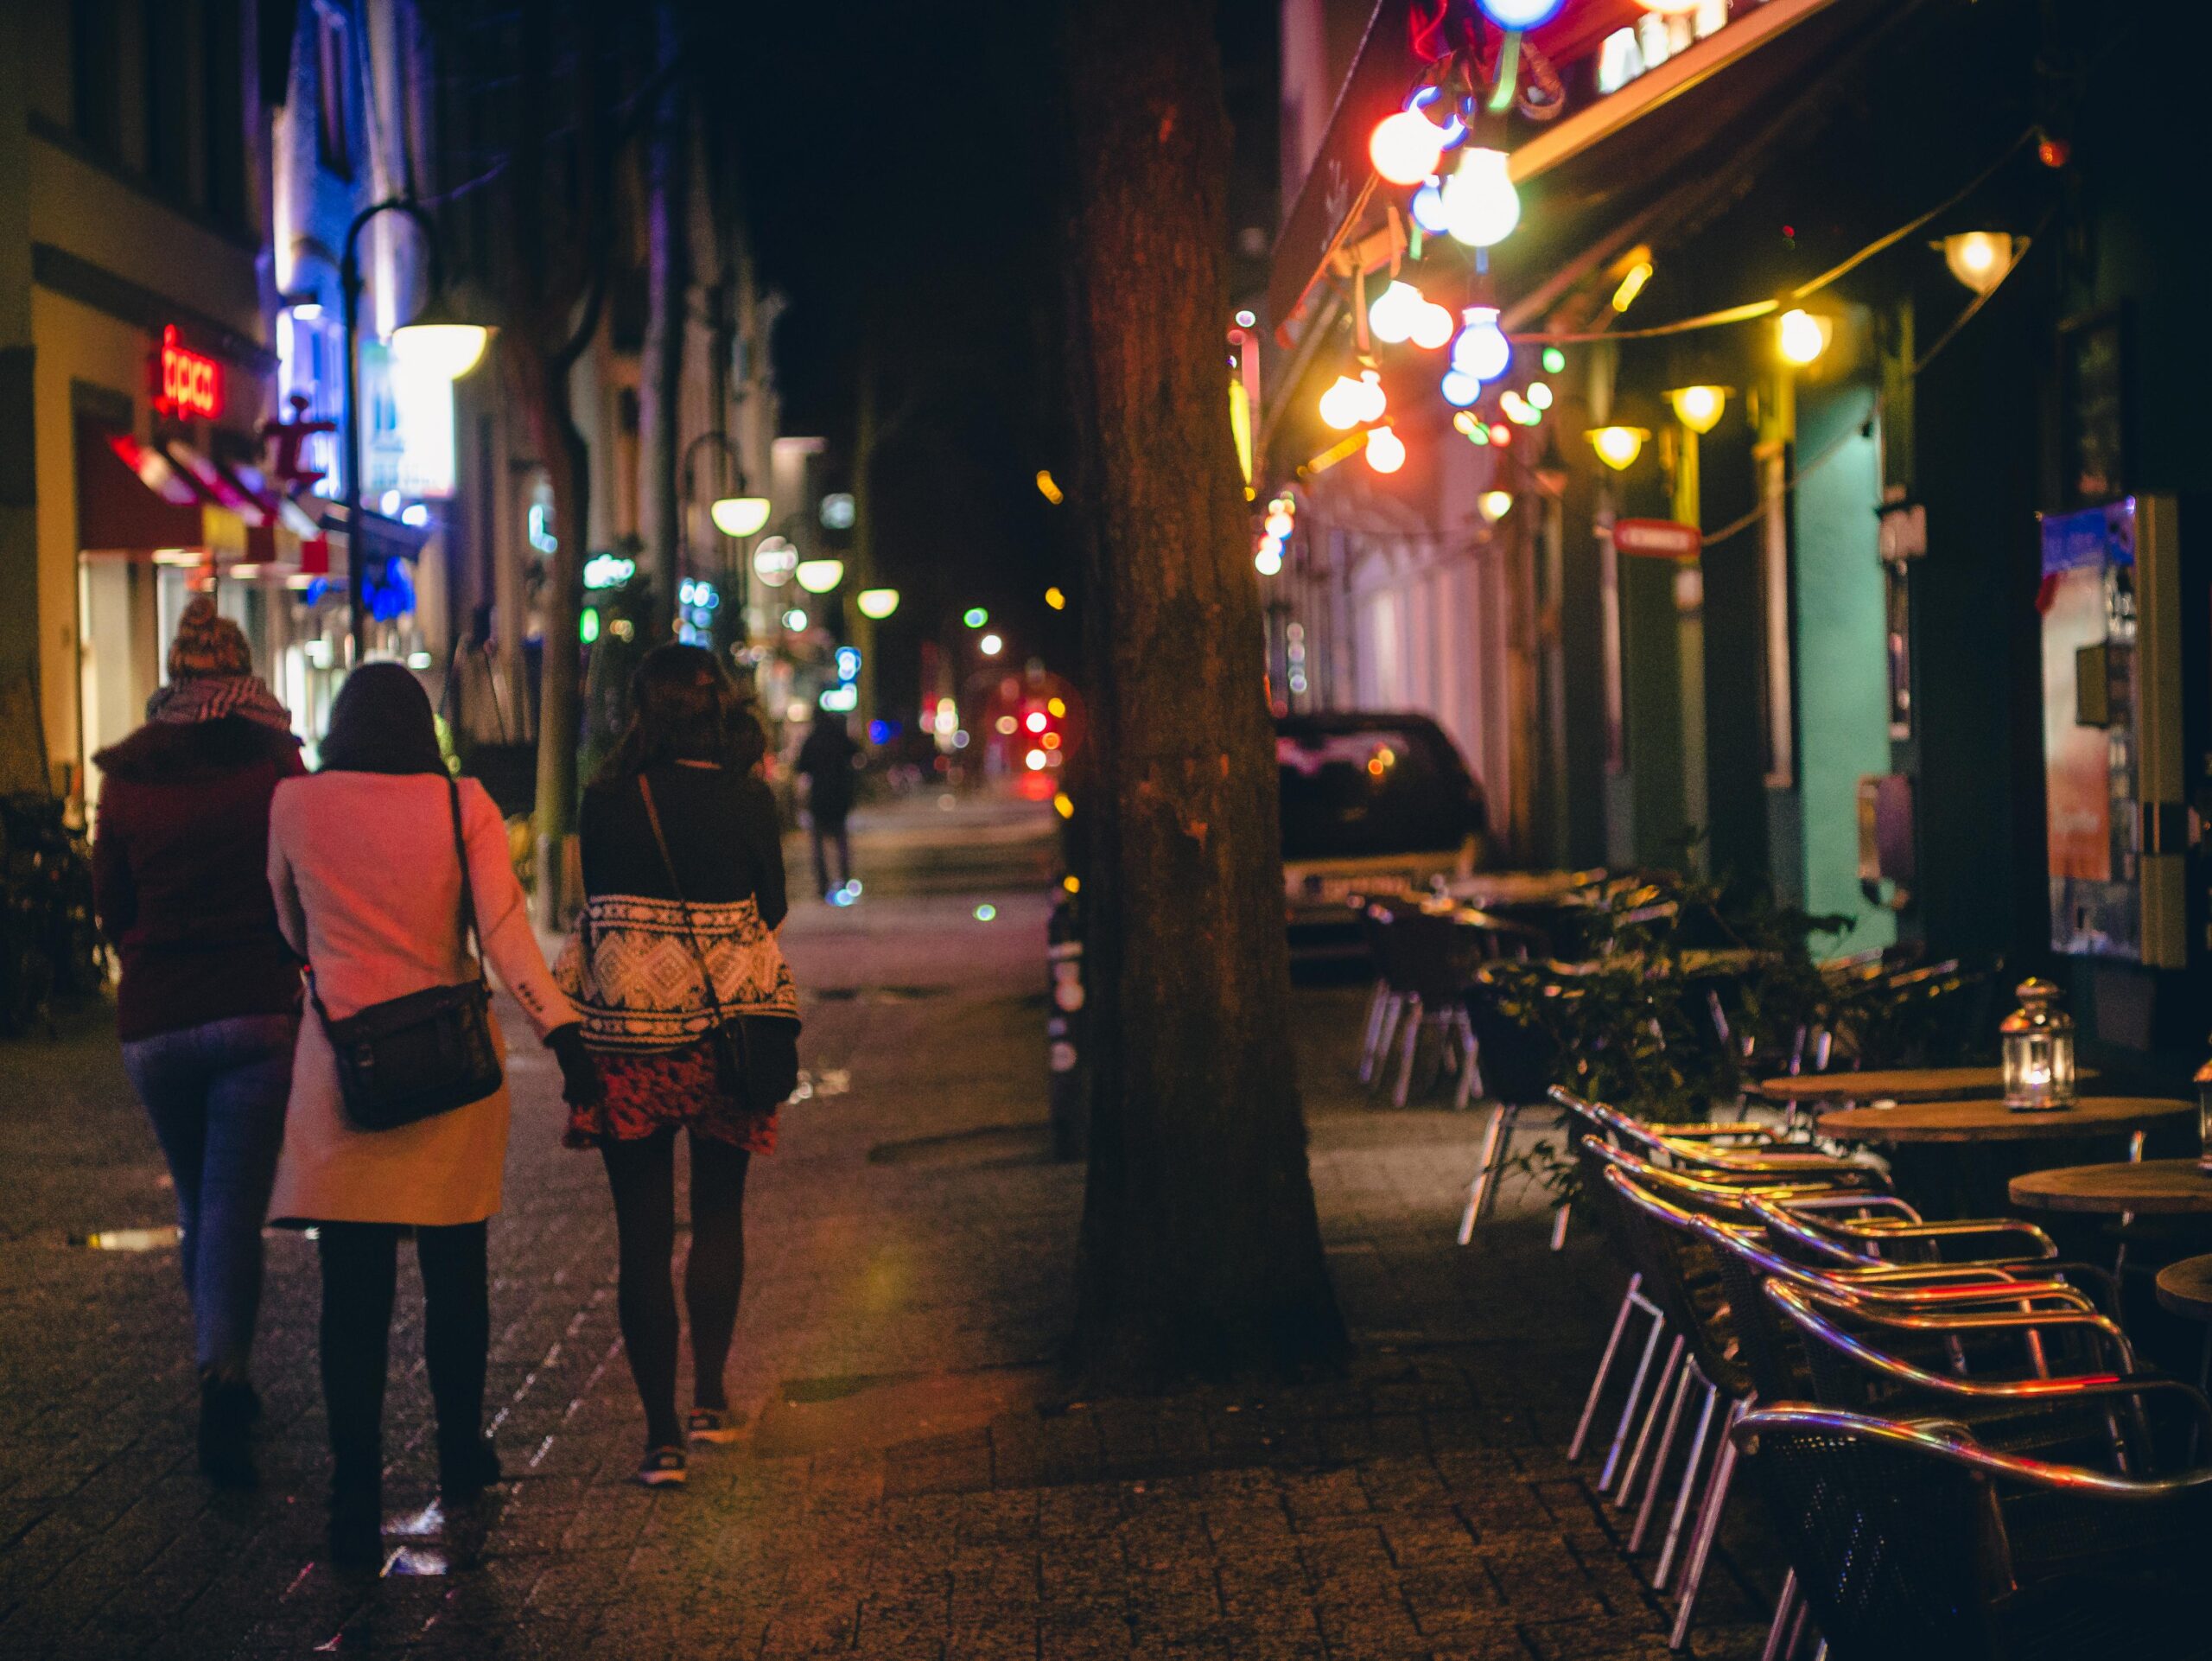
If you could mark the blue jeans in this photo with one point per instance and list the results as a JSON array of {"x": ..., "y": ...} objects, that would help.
[{"x": 216, "y": 1094}]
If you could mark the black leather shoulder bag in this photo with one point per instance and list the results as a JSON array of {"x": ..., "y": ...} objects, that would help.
[
  {"x": 756, "y": 1057},
  {"x": 413, "y": 1058}
]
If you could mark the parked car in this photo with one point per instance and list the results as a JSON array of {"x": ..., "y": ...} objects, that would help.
[{"x": 1372, "y": 803}]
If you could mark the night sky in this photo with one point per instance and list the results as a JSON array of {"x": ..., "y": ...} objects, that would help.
[{"x": 903, "y": 165}]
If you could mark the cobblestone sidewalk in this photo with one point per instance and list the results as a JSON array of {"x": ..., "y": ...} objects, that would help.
[{"x": 916, "y": 1487}]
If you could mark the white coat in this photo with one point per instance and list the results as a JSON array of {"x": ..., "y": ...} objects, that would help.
[{"x": 368, "y": 890}]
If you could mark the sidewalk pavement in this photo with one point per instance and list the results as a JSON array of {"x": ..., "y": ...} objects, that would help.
[{"x": 917, "y": 1486}]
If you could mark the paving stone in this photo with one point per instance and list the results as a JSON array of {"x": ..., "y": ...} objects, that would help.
[{"x": 1420, "y": 1505}]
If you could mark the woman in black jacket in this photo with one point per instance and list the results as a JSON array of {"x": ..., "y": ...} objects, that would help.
[{"x": 682, "y": 868}]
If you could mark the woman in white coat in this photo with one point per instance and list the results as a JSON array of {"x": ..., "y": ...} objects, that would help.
[{"x": 368, "y": 889}]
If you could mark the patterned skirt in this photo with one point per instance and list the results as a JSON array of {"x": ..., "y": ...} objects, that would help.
[{"x": 667, "y": 1090}]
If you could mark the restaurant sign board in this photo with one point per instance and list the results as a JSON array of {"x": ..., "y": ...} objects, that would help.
[{"x": 1657, "y": 539}]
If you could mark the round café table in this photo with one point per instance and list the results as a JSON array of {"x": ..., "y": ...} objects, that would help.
[
  {"x": 1893, "y": 1085},
  {"x": 2162, "y": 1187},
  {"x": 2185, "y": 1290},
  {"x": 1956, "y": 1158}
]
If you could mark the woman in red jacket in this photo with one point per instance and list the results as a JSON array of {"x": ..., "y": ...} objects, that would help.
[{"x": 208, "y": 1007}]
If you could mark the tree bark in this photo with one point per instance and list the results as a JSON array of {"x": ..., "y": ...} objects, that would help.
[
  {"x": 1201, "y": 1250},
  {"x": 555, "y": 262},
  {"x": 668, "y": 222}
]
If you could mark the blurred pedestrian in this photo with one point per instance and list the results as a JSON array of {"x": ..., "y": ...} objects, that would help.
[
  {"x": 677, "y": 968},
  {"x": 369, "y": 887},
  {"x": 208, "y": 1006},
  {"x": 826, "y": 759}
]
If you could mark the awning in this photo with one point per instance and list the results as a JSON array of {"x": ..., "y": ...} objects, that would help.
[
  {"x": 167, "y": 501},
  {"x": 137, "y": 498},
  {"x": 1333, "y": 204}
]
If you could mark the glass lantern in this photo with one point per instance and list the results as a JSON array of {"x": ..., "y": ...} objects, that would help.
[
  {"x": 2204, "y": 1117},
  {"x": 2039, "y": 1045}
]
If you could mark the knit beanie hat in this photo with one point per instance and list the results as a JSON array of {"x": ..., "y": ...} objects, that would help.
[{"x": 209, "y": 644}]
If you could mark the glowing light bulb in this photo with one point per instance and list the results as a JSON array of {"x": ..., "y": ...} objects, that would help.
[
  {"x": 1481, "y": 349},
  {"x": 1386, "y": 451},
  {"x": 1391, "y": 318},
  {"x": 1495, "y": 504},
  {"x": 1405, "y": 147},
  {"x": 1481, "y": 206},
  {"x": 1372, "y": 402},
  {"x": 877, "y": 604},
  {"x": 1341, "y": 404},
  {"x": 1432, "y": 327},
  {"x": 1459, "y": 388},
  {"x": 1271, "y": 546},
  {"x": 1470, "y": 425},
  {"x": 1520, "y": 14},
  {"x": 1699, "y": 408},
  {"x": 1278, "y": 524},
  {"x": 1268, "y": 563},
  {"x": 1428, "y": 208},
  {"x": 1554, "y": 361},
  {"x": 1619, "y": 446},
  {"x": 1979, "y": 259},
  {"x": 1538, "y": 395},
  {"x": 1800, "y": 337}
]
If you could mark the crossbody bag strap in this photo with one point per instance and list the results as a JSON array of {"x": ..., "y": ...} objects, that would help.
[
  {"x": 468, "y": 924},
  {"x": 675, "y": 888}
]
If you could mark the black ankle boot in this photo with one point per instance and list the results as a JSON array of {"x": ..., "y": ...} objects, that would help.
[
  {"x": 227, "y": 1407},
  {"x": 466, "y": 1472},
  {"x": 357, "y": 1524}
]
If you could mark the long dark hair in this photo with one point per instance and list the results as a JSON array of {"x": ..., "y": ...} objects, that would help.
[
  {"x": 381, "y": 723},
  {"x": 685, "y": 706}
]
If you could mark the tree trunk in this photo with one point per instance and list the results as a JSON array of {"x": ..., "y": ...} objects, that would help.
[
  {"x": 1201, "y": 1250},
  {"x": 668, "y": 222}
]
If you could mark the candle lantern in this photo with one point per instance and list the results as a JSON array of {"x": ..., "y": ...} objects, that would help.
[
  {"x": 2204, "y": 1117},
  {"x": 2039, "y": 1045}
]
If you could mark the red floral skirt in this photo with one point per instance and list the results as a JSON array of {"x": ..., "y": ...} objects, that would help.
[{"x": 664, "y": 1090}]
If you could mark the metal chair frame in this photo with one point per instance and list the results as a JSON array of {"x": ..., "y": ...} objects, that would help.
[{"x": 1951, "y": 1445}]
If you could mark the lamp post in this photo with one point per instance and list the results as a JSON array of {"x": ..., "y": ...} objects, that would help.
[
  {"x": 457, "y": 346},
  {"x": 737, "y": 517}
]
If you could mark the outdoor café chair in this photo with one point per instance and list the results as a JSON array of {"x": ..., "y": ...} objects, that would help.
[
  {"x": 1774, "y": 1361},
  {"x": 1693, "y": 1146},
  {"x": 1911, "y": 1541},
  {"x": 1422, "y": 968}
]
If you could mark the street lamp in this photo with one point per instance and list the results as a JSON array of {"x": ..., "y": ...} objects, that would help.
[{"x": 436, "y": 342}]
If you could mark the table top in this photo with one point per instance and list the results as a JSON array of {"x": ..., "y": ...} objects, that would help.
[
  {"x": 1898, "y": 1085},
  {"x": 1990, "y": 1120},
  {"x": 1526, "y": 887},
  {"x": 2167, "y": 1186},
  {"x": 2185, "y": 1287}
]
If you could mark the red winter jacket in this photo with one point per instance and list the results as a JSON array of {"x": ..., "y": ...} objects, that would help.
[{"x": 181, "y": 873}]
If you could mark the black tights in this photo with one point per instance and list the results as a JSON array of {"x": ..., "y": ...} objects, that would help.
[
  {"x": 360, "y": 1272},
  {"x": 643, "y": 1175}
]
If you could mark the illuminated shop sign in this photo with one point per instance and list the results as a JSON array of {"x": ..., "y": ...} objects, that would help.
[
  {"x": 190, "y": 384},
  {"x": 1630, "y": 53}
]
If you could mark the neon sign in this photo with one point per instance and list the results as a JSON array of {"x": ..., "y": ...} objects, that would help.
[{"x": 191, "y": 384}]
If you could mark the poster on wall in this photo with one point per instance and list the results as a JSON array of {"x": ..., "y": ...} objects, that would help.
[{"x": 2088, "y": 602}]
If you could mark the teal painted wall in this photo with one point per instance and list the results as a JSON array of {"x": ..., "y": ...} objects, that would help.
[{"x": 1842, "y": 705}]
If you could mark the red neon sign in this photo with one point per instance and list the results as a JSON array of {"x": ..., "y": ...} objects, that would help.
[{"x": 191, "y": 384}]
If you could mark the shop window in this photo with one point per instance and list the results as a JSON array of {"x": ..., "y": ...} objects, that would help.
[
  {"x": 223, "y": 44},
  {"x": 333, "y": 79},
  {"x": 96, "y": 74},
  {"x": 167, "y": 63},
  {"x": 311, "y": 363}
]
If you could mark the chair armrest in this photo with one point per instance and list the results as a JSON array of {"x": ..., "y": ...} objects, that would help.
[
  {"x": 1853, "y": 1199},
  {"x": 1950, "y": 1443},
  {"x": 1718, "y": 1127},
  {"x": 1883, "y": 1228}
]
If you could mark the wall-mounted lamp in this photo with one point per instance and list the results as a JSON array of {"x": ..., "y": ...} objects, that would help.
[{"x": 1618, "y": 447}]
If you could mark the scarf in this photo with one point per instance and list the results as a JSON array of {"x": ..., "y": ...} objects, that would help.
[{"x": 212, "y": 697}]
